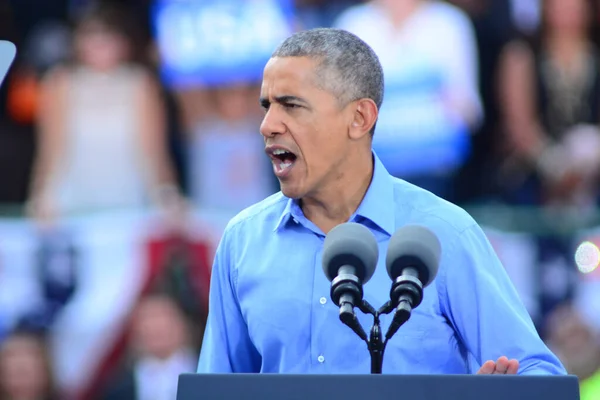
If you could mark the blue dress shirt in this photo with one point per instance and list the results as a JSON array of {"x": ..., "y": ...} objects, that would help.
[{"x": 271, "y": 312}]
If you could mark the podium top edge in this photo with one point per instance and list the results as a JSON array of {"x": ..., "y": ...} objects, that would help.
[{"x": 381, "y": 376}]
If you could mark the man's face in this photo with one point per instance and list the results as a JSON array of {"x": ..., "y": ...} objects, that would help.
[{"x": 305, "y": 128}]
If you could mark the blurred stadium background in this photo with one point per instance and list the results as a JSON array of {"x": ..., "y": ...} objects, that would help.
[{"x": 129, "y": 136}]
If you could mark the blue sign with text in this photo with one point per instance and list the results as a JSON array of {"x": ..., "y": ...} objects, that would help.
[{"x": 214, "y": 42}]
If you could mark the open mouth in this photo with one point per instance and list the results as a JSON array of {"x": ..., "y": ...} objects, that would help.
[{"x": 283, "y": 160}]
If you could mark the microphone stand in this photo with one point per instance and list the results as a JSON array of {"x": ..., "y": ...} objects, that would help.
[
  {"x": 375, "y": 343},
  {"x": 406, "y": 294}
]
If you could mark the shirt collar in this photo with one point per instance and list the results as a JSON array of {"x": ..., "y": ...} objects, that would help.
[{"x": 378, "y": 205}]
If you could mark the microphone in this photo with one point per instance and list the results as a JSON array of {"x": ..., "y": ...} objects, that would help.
[
  {"x": 412, "y": 262},
  {"x": 350, "y": 255}
]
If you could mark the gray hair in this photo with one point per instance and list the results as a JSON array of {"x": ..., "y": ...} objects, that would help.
[{"x": 347, "y": 67}]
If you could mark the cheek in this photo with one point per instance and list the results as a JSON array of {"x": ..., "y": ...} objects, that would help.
[
  {"x": 320, "y": 139},
  {"x": 322, "y": 151}
]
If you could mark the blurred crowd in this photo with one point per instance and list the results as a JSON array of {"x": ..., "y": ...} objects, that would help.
[{"x": 486, "y": 102}]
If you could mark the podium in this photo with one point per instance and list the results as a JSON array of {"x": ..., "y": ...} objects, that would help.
[{"x": 374, "y": 386}]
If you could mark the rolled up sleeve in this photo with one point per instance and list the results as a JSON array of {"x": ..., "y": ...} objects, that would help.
[{"x": 479, "y": 300}]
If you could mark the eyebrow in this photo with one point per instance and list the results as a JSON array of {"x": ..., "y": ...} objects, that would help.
[{"x": 264, "y": 102}]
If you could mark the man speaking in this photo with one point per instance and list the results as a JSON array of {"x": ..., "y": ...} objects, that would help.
[{"x": 270, "y": 309}]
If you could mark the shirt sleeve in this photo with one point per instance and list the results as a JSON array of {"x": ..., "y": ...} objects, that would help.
[
  {"x": 479, "y": 300},
  {"x": 226, "y": 346}
]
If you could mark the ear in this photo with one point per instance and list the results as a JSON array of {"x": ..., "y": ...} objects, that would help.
[{"x": 364, "y": 117}]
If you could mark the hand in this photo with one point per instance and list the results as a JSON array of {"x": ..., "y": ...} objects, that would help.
[
  {"x": 565, "y": 188},
  {"x": 43, "y": 212},
  {"x": 175, "y": 213},
  {"x": 503, "y": 366}
]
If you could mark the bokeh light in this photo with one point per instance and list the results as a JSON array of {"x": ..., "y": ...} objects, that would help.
[{"x": 587, "y": 257}]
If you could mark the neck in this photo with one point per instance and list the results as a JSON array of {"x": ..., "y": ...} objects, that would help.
[
  {"x": 340, "y": 198},
  {"x": 566, "y": 46}
]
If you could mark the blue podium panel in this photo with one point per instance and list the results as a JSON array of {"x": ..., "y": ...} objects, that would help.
[{"x": 350, "y": 387}]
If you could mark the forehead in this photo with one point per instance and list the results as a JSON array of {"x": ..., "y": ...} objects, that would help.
[{"x": 288, "y": 74}]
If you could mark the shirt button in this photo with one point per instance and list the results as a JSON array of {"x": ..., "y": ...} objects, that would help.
[
  {"x": 321, "y": 359},
  {"x": 322, "y": 300}
]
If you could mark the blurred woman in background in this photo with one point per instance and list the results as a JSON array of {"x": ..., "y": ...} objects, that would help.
[
  {"x": 550, "y": 100},
  {"x": 102, "y": 127},
  {"x": 428, "y": 52}
]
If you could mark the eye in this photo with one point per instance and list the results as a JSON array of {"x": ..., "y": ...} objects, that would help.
[
  {"x": 264, "y": 104},
  {"x": 290, "y": 106}
]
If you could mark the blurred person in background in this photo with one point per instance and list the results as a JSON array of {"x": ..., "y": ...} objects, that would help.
[
  {"x": 550, "y": 102},
  {"x": 102, "y": 127},
  {"x": 578, "y": 347},
  {"x": 25, "y": 368},
  {"x": 429, "y": 56},
  {"x": 162, "y": 350},
  {"x": 228, "y": 167}
]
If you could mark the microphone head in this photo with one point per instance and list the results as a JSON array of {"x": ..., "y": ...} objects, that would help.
[
  {"x": 417, "y": 247},
  {"x": 350, "y": 244}
]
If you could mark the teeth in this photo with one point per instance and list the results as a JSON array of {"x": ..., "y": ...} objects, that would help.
[
  {"x": 279, "y": 152},
  {"x": 284, "y": 166}
]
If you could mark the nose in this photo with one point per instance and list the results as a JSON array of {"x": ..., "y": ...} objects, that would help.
[{"x": 272, "y": 124}]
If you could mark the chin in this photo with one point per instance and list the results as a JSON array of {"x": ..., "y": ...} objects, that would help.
[{"x": 291, "y": 191}]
